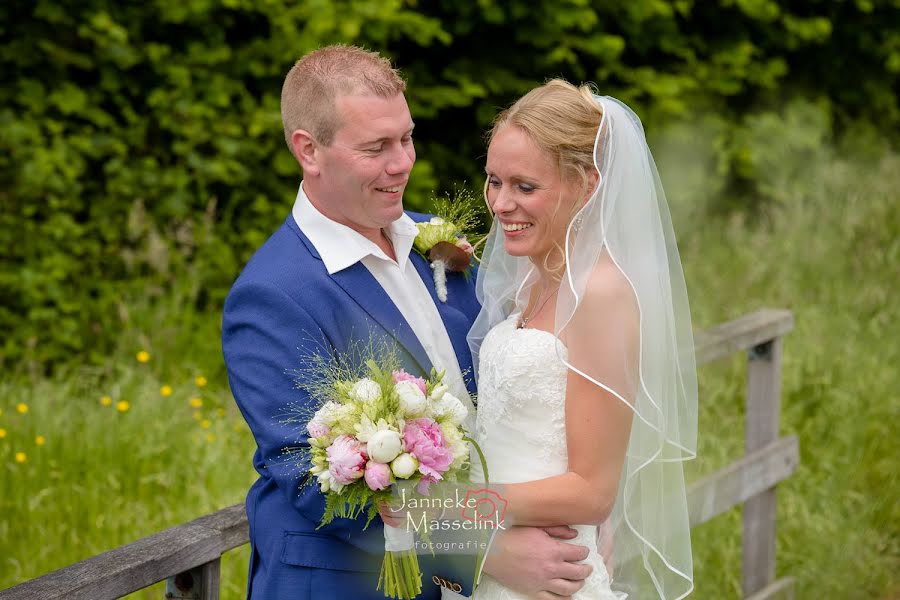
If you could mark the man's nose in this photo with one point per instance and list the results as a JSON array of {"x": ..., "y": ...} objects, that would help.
[{"x": 401, "y": 160}]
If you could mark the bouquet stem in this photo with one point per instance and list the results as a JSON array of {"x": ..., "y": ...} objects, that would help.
[{"x": 400, "y": 572}]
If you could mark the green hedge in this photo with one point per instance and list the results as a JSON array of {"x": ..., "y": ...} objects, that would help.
[{"x": 141, "y": 147}]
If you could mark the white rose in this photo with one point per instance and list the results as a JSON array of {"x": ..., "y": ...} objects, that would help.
[
  {"x": 366, "y": 390},
  {"x": 412, "y": 400},
  {"x": 452, "y": 408},
  {"x": 439, "y": 390},
  {"x": 404, "y": 465},
  {"x": 384, "y": 446}
]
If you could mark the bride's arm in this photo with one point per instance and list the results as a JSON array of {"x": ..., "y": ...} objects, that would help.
[{"x": 603, "y": 341}]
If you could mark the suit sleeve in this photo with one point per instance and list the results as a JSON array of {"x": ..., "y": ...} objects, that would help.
[{"x": 266, "y": 334}]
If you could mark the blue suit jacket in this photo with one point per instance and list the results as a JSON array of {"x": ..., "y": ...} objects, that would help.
[{"x": 283, "y": 306}]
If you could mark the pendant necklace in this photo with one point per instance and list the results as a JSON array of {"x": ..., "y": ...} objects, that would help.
[{"x": 524, "y": 322}]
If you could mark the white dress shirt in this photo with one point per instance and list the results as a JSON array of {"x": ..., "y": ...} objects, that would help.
[{"x": 341, "y": 247}]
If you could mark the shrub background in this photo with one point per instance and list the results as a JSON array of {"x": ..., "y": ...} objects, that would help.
[
  {"x": 140, "y": 139},
  {"x": 142, "y": 161}
]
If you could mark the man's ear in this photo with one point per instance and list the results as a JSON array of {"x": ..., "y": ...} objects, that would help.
[{"x": 304, "y": 147}]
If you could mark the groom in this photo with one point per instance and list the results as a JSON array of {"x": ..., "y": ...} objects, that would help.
[{"x": 338, "y": 268}]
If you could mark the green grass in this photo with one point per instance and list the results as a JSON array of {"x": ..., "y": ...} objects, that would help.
[
  {"x": 105, "y": 477},
  {"x": 830, "y": 253},
  {"x": 833, "y": 258}
]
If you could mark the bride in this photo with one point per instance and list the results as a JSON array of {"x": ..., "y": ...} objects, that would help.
[{"x": 583, "y": 347}]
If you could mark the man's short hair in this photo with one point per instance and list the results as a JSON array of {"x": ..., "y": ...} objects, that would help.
[{"x": 313, "y": 84}]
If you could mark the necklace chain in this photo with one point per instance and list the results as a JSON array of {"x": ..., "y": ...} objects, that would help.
[{"x": 535, "y": 312}]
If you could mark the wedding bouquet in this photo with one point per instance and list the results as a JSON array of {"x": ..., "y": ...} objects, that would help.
[{"x": 374, "y": 425}]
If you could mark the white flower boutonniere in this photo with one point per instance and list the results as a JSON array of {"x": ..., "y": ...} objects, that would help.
[{"x": 444, "y": 239}]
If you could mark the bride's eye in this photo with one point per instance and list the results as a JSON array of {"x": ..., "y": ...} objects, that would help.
[
  {"x": 493, "y": 182},
  {"x": 525, "y": 188}
]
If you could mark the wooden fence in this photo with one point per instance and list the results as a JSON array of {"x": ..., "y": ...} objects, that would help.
[{"x": 187, "y": 556}]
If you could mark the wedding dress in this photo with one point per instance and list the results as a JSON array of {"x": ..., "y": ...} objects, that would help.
[{"x": 521, "y": 428}]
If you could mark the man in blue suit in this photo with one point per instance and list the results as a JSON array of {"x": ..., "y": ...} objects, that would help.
[{"x": 340, "y": 269}]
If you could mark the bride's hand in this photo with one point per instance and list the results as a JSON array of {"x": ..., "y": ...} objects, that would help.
[
  {"x": 397, "y": 518},
  {"x": 390, "y": 517}
]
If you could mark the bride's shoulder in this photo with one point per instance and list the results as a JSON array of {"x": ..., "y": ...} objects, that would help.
[{"x": 608, "y": 287}]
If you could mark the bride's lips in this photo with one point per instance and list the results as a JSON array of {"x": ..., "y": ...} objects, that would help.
[{"x": 513, "y": 229}]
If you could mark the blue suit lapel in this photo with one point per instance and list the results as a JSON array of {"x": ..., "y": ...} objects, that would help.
[
  {"x": 362, "y": 286},
  {"x": 365, "y": 290},
  {"x": 454, "y": 321}
]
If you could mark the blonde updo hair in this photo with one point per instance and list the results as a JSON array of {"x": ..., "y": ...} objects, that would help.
[
  {"x": 562, "y": 120},
  {"x": 313, "y": 84}
]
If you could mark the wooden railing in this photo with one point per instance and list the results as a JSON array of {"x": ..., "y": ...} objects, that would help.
[{"x": 187, "y": 556}]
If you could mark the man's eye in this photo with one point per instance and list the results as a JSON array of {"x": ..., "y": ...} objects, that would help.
[{"x": 374, "y": 149}]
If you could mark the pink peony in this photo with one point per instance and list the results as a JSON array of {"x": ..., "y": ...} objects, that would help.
[
  {"x": 425, "y": 441},
  {"x": 402, "y": 375},
  {"x": 378, "y": 475},
  {"x": 424, "y": 484},
  {"x": 317, "y": 429},
  {"x": 346, "y": 459}
]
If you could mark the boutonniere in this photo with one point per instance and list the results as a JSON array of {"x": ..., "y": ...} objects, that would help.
[{"x": 444, "y": 240}]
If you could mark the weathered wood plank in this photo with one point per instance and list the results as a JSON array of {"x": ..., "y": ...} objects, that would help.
[
  {"x": 123, "y": 570},
  {"x": 763, "y": 409},
  {"x": 742, "y": 334},
  {"x": 783, "y": 589},
  {"x": 759, "y": 471}
]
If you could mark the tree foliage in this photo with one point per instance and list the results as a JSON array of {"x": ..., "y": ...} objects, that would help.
[{"x": 141, "y": 147}]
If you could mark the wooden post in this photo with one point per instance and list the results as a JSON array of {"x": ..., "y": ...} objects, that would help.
[
  {"x": 763, "y": 411},
  {"x": 209, "y": 580},
  {"x": 199, "y": 583}
]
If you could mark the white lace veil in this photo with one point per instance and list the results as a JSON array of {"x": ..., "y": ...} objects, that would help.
[{"x": 624, "y": 225}]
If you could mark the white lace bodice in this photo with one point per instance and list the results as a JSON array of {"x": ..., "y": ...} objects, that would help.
[
  {"x": 521, "y": 417},
  {"x": 520, "y": 425}
]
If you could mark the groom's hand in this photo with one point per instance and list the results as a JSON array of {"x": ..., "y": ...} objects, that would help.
[{"x": 538, "y": 562}]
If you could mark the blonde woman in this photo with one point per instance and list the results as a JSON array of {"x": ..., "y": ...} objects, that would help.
[{"x": 583, "y": 349}]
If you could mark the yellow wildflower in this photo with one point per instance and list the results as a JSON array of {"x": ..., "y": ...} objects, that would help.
[
  {"x": 198, "y": 415},
  {"x": 2, "y": 433},
  {"x": 122, "y": 405},
  {"x": 196, "y": 402},
  {"x": 39, "y": 440},
  {"x": 220, "y": 412},
  {"x": 200, "y": 381},
  {"x": 166, "y": 390},
  {"x": 210, "y": 437},
  {"x": 22, "y": 407},
  {"x": 205, "y": 423},
  {"x": 21, "y": 457},
  {"x": 143, "y": 356},
  {"x": 106, "y": 401}
]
